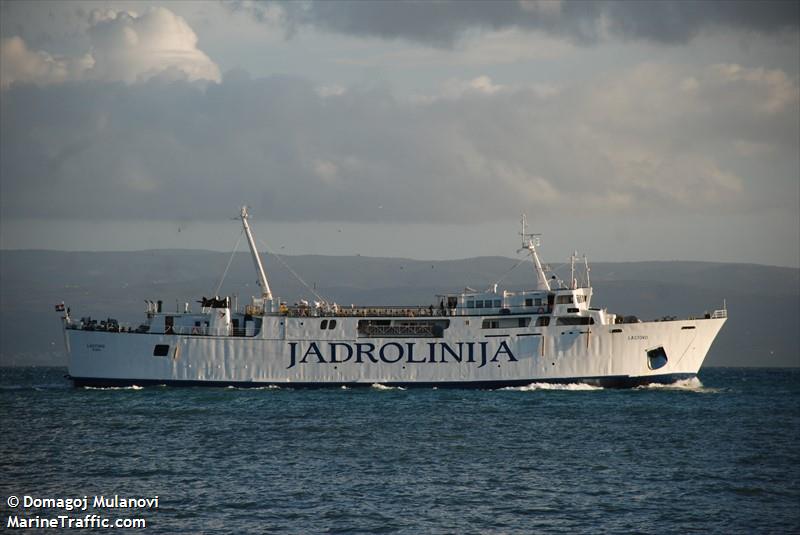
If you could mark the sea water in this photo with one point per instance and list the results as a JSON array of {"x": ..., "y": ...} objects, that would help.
[{"x": 718, "y": 454}]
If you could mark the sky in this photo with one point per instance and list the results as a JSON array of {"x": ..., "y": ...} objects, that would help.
[{"x": 627, "y": 130}]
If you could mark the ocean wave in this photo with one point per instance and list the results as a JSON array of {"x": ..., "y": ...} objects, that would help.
[
  {"x": 576, "y": 387},
  {"x": 132, "y": 387},
  {"x": 692, "y": 384},
  {"x": 265, "y": 387},
  {"x": 378, "y": 386},
  {"x": 38, "y": 388}
]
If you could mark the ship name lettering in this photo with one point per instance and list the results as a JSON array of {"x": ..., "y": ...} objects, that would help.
[
  {"x": 395, "y": 352},
  {"x": 638, "y": 337}
]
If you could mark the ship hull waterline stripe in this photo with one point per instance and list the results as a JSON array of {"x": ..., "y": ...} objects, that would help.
[{"x": 618, "y": 381}]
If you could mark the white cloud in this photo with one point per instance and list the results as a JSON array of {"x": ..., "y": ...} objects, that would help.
[
  {"x": 480, "y": 85},
  {"x": 125, "y": 46},
  {"x": 20, "y": 64},
  {"x": 774, "y": 90},
  {"x": 333, "y": 90},
  {"x": 130, "y": 47}
]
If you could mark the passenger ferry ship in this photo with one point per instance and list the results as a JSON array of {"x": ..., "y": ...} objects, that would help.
[{"x": 487, "y": 339}]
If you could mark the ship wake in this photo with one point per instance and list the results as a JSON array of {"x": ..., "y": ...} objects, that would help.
[
  {"x": 132, "y": 387},
  {"x": 692, "y": 384},
  {"x": 378, "y": 386},
  {"x": 576, "y": 387}
]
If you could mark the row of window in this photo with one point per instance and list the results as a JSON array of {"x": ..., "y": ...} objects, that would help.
[
  {"x": 506, "y": 323},
  {"x": 497, "y": 303},
  {"x": 529, "y": 302},
  {"x": 542, "y": 321},
  {"x": 510, "y": 323},
  {"x": 485, "y": 303},
  {"x": 327, "y": 324}
]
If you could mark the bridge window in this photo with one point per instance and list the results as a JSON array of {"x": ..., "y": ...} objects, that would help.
[{"x": 564, "y": 300}]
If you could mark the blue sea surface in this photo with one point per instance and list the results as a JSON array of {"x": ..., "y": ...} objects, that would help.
[{"x": 718, "y": 455}]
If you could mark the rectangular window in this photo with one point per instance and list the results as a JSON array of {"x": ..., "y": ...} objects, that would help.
[
  {"x": 470, "y": 304},
  {"x": 497, "y": 303},
  {"x": 564, "y": 300},
  {"x": 478, "y": 304},
  {"x": 323, "y": 325},
  {"x": 543, "y": 321},
  {"x": 571, "y": 320},
  {"x": 161, "y": 350},
  {"x": 529, "y": 302},
  {"x": 332, "y": 324},
  {"x": 538, "y": 301}
]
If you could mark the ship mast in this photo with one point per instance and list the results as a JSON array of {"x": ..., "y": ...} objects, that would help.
[
  {"x": 529, "y": 242},
  {"x": 262, "y": 277}
]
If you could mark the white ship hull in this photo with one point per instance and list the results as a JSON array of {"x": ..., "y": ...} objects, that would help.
[
  {"x": 473, "y": 338},
  {"x": 296, "y": 352}
]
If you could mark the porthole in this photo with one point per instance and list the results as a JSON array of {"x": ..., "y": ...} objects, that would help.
[{"x": 656, "y": 358}]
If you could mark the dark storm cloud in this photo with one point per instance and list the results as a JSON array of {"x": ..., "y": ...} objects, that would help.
[{"x": 443, "y": 22}]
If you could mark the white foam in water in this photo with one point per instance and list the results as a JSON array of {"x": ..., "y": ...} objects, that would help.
[
  {"x": 693, "y": 384},
  {"x": 378, "y": 386},
  {"x": 267, "y": 387},
  {"x": 134, "y": 387},
  {"x": 553, "y": 386}
]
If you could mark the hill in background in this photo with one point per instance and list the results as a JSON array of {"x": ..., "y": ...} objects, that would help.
[{"x": 763, "y": 301}]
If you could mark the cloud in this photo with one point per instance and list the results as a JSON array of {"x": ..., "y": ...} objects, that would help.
[
  {"x": 124, "y": 46},
  {"x": 651, "y": 139},
  {"x": 481, "y": 85},
  {"x": 20, "y": 64},
  {"x": 445, "y": 22}
]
